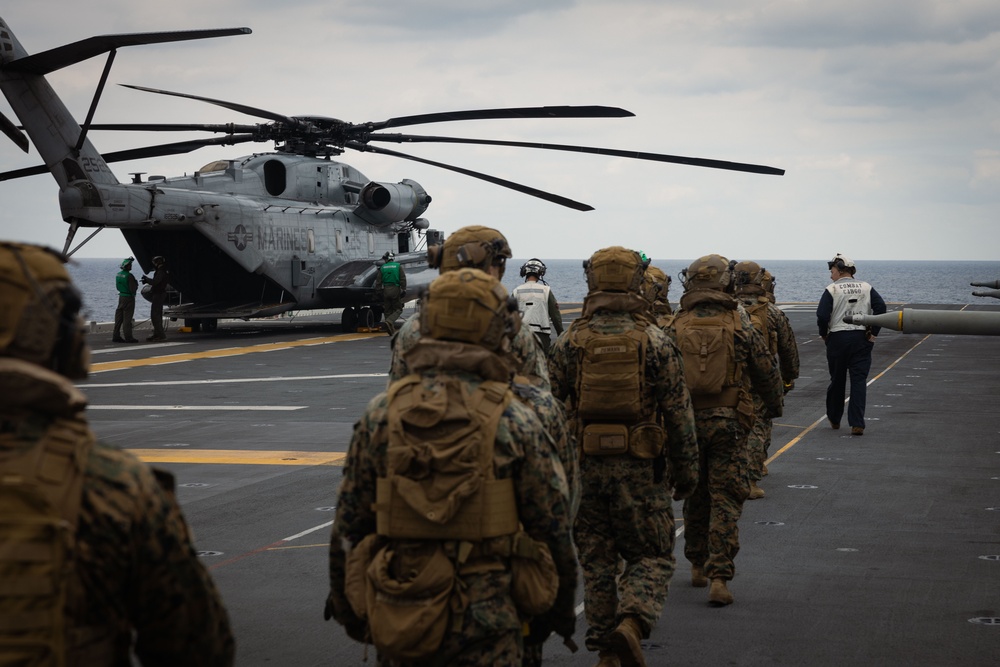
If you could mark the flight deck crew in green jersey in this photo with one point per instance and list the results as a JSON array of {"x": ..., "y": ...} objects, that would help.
[
  {"x": 127, "y": 286},
  {"x": 391, "y": 283}
]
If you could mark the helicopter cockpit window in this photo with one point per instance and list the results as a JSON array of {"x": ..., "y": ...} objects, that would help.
[
  {"x": 219, "y": 165},
  {"x": 274, "y": 177}
]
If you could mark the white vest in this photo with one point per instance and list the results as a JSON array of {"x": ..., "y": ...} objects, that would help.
[
  {"x": 850, "y": 297},
  {"x": 533, "y": 302}
]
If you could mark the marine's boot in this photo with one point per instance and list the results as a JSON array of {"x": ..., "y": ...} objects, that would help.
[
  {"x": 698, "y": 578},
  {"x": 764, "y": 470},
  {"x": 755, "y": 491},
  {"x": 718, "y": 594},
  {"x": 625, "y": 640},
  {"x": 608, "y": 659}
]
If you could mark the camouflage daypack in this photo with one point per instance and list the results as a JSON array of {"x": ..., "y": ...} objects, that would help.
[
  {"x": 41, "y": 486},
  {"x": 613, "y": 414},
  {"x": 758, "y": 313},
  {"x": 709, "y": 350},
  {"x": 439, "y": 508}
]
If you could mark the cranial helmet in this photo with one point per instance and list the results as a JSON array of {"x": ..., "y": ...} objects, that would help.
[
  {"x": 469, "y": 306},
  {"x": 126, "y": 263},
  {"x": 655, "y": 285},
  {"x": 474, "y": 246},
  {"x": 39, "y": 311},
  {"x": 389, "y": 256},
  {"x": 615, "y": 269},
  {"x": 748, "y": 275},
  {"x": 533, "y": 267},
  {"x": 709, "y": 272},
  {"x": 842, "y": 263},
  {"x": 159, "y": 260}
]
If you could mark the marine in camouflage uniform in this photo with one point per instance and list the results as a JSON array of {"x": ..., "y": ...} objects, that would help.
[
  {"x": 711, "y": 535},
  {"x": 486, "y": 249},
  {"x": 625, "y": 509},
  {"x": 135, "y": 582},
  {"x": 655, "y": 287},
  {"x": 750, "y": 290},
  {"x": 491, "y": 628}
]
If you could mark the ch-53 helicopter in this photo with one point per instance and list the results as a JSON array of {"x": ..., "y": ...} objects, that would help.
[{"x": 267, "y": 233}]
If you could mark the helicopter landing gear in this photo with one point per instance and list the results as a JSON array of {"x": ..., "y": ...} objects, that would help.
[
  {"x": 206, "y": 324},
  {"x": 349, "y": 320},
  {"x": 366, "y": 318}
]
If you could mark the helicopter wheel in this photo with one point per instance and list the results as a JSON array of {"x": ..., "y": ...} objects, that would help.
[
  {"x": 195, "y": 324},
  {"x": 377, "y": 312},
  {"x": 349, "y": 320},
  {"x": 366, "y": 318},
  {"x": 209, "y": 324}
]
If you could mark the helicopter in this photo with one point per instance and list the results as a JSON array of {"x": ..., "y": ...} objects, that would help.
[{"x": 293, "y": 229}]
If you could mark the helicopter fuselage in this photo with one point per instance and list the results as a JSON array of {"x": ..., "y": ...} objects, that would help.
[{"x": 266, "y": 232}]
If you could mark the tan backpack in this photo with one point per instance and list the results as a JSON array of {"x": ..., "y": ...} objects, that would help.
[
  {"x": 439, "y": 503},
  {"x": 709, "y": 350},
  {"x": 41, "y": 486},
  {"x": 758, "y": 313},
  {"x": 612, "y": 413}
]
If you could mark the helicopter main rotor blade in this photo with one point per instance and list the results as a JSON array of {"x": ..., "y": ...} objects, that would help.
[
  {"x": 175, "y": 148},
  {"x": 637, "y": 155},
  {"x": 228, "y": 128},
  {"x": 21, "y": 173},
  {"x": 241, "y": 108},
  {"x": 516, "y": 112},
  {"x": 524, "y": 189}
]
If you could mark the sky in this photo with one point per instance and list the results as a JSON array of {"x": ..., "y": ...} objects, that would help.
[{"x": 885, "y": 115}]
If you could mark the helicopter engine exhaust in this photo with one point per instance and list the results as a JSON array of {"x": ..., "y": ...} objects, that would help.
[{"x": 386, "y": 203}]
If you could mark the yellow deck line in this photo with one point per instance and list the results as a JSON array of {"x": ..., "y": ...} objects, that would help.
[
  {"x": 224, "y": 352},
  {"x": 241, "y": 457}
]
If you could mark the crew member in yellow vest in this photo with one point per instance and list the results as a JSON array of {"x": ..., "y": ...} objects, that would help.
[
  {"x": 453, "y": 523},
  {"x": 390, "y": 282},
  {"x": 95, "y": 557}
]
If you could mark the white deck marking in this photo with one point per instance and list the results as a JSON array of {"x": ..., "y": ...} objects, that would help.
[
  {"x": 300, "y": 378},
  {"x": 270, "y": 408},
  {"x": 130, "y": 348},
  {"x": 307, "y": 531}
]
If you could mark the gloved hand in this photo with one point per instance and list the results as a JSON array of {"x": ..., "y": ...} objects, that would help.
[
  {"x": 685, "y": 478},
  {"x": 338, "y": 608},
  {"x": 539, "y": 629},
  {"x": 144, "y": 280},
  {"x": 789, "y": 386}
]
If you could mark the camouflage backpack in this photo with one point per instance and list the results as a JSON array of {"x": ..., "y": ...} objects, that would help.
[
  {"x": 41, "y": 486},
  {"x": 613, "y": 414},
  {"x": 708, "y": 347},
  {"x": 758, "y": 313}
]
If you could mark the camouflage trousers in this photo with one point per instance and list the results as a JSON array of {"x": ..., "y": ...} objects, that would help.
[
  {"x": 624, "y": 533},
  {"x": 503, "y": 650},
  {"x": 711, "y": 537},
  {"x": 758, "y": 442}
]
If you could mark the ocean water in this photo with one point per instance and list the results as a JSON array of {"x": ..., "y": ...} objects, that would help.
[{"x": 897, "y": 281}]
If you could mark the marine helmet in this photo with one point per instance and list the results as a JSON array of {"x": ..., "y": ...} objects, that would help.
[
  {"x": 767, "y": 282},
  {"x": 159, "y": 260},
  {"x": 713, "y": 272},
  {"x": 533, "y": 267},
  {"x": 40, "y": 311},
  {"x": 842, "y": 264},
  {"x": 615, "y": 269},
  {"x": 469, "y": 306},
  {"x": 655, "y": 285},
  {"x": 748, "y": 277},
  {"x": 475, "y": 246},
  {"x": 126, "y": 263}
]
